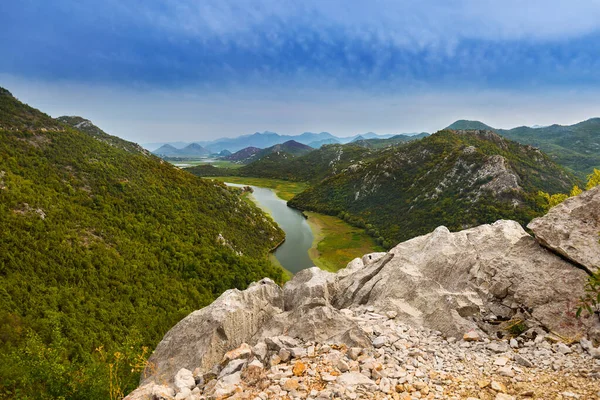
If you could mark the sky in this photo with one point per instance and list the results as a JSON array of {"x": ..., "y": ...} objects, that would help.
[{"x": 185, "y": 70}]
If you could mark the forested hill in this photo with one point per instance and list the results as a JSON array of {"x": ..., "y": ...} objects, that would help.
[
  {"x": 103, "y": 248},
  {"x": 576, "y": 147},
  {"x": 456, "y": 179}
]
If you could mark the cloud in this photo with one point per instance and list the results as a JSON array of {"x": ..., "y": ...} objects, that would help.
[{"x": 374, "y": 45}]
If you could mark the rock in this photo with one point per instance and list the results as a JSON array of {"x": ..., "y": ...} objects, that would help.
[
  {"x": 589, "y": 347},
  {"x": 491, "y": 268},
  {"x": 354, "y": 352},
  {"x": 299, "y": 368},
  {"x": 501, "y": 361},
  {"x": 353, "y": 379},
  {"x": 244, "y": 351},
  {"x": 152, "y": 391},
  {"x": 232, "y": 367},
  {"x": 202, "y": 338},
  {"x": 284, "y": 355},
  {"x": 327, "y": 325},
  {"x": 503, "y": 396},
  {"x": 184, "y": 379},
  {"x": 281, "y": 342},
  {"x": 571, "y": 229},
  {"x": 379, "y": 341},
  {"x": 391, "y": 314},
  {"x": 513, "y": 343},
  {"x": 260, "y": 350},
  {"x": 498, "y": 386},
  {"x": 519, "y": 359},
  {"x": 472, "y": 336},
  {"x": 498, "y": 347},
  {"x": 506, "y": 371},
  {"x": 343, "y": 366},
  {"x": 310, "y": 287},
  {"x": 563, "y": 348},
  {"x": 228, "y": 385}
]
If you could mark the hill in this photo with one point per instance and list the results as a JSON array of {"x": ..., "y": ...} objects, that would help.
[
  {"x": 289, "y": 149},
  {"x": 456, "y": 179},
  {"x": 312, "y": 167},
  {"x": 463, "y": 124},
  {"x": 576, "y": 147},
  {"x": 108, "y": 247},
  {"x": 191, "y": 150}
]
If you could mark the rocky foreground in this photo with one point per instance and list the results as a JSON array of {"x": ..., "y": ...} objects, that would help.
[
  {"x": 401, "y": 363},
  {"x": 485, "y": 313}
]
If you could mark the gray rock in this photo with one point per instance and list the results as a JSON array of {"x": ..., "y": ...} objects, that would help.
[
  {"x": 203, "y": 337},
  {"x": 498, "y": 347},
  {"x": 309, "y": 288},
  {"x": 353, "y": 379},
  {"x": 519, "y": 359},
  {"x": 184, "y": 379},
  {"x": 260, "y": 350},
  {"x": 232, "y": 367},
  {"x": 443, "y": 280},
  {"x": 277, "y": 343},
  {"x": 571, "y": 229}
]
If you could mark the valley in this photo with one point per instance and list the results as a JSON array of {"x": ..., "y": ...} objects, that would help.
[{"x": 312, "y": 239}]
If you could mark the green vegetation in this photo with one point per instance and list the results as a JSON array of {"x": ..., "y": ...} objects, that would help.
[
  {"x": 286, "y": 190},
  {"x": 336, "y": 243},
  {"x": 576, "y": 147},
  {"x": 104, "y": 248},
  {"x": 411, "y": 189}
]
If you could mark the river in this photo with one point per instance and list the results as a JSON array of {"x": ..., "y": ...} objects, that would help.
[{"x": 293, "y": 253}]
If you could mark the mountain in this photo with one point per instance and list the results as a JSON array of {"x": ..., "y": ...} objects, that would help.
[
  {"x": 576, "y": 147},
  {"x": 189, "y": 151},
  {"x": 85, "y": 125},
  {"x": 311, "y": 167},
  {"x": 392, "y": 141},
  {"x": 166, "y": 150},
  {"x": 291, "y": 148},
  {"x": 455, "y": 179},
  {"x": 106, "y": 246},
  {"x": 319, "y": 143},
  {"x": 357, "y": 139},
  {"x": 224, "y": 153},
  {"x": 463, "y": 124}
]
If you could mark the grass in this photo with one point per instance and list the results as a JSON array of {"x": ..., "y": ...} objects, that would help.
[
  {"x": 283, "y": 189},
  {"x": 217, "y": 163},
  {"x": 336, "y": 243}
]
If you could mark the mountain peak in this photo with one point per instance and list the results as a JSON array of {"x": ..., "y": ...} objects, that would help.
[{"x": 463, "y": 124}]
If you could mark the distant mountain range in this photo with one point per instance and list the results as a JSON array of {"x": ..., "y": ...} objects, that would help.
[
  {"x": 287, "y": 149},
  {"x": 191, "y": 150},
  {"x": 577, "y": 147},
  {"x": 261, "y": 141}
]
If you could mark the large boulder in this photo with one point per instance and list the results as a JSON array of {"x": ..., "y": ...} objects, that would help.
[
  {"x": 202, "y": 338},
  {"x": 454, "y": 282},
  {"x": 572, "y": 229}
]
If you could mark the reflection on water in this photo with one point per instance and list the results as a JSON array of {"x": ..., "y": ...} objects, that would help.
[{"x": 293, "y": 253}]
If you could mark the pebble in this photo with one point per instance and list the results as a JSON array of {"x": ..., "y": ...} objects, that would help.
[{"x": 404, "y": 363}]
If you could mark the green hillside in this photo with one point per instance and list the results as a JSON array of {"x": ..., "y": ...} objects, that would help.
[
  {"x": 576, "y": 147},
  {"x": 103, "y": 248},
  {"x": 311, "y": 167},
  {"x": 451, "y": 179}
]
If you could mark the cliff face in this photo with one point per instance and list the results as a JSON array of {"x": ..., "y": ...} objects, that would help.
[{"x": 493, "y": 281}]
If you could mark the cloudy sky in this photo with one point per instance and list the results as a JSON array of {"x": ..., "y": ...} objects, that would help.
[{"x": 166, "y": 70}]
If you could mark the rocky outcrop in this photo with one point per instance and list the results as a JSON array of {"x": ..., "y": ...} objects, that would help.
[
  {"x": 572, "y": 229},
  {"x": 203, "y": 337},
  {"x": 492, "y": 281}
]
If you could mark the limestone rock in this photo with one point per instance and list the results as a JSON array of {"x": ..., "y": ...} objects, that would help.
[
  {"x": 353, "y": 379},
  {"x": 184, "y": 379},
  {"x": 202, "y": 338},
  {"x": 310, "y": 287},
  {"x": 571, "y": 229},
  {"x": 444, "y": 281}
]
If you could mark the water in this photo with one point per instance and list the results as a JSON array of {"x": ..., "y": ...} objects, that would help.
[{"x": 293, "y": 253}]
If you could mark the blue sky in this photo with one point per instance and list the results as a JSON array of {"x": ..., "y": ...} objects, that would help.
[{"x": 158, "y": 70}]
